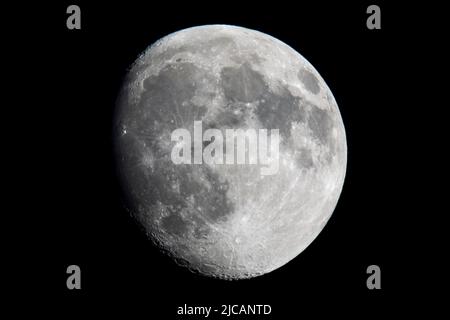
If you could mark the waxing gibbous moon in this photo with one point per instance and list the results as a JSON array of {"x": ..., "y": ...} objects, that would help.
[{"x": 228, "y": 220}]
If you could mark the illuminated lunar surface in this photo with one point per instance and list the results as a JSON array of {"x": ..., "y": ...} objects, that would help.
[{"x": 229, "y": 221}]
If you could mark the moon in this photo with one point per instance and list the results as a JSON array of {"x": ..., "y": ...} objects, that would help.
[{"x": 227, "y": 220}]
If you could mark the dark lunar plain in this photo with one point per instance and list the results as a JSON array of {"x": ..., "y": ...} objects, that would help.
[{"x": 76, "y": 214}]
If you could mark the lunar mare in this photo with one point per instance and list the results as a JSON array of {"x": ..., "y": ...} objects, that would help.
[{"x": 228, "y": 220}]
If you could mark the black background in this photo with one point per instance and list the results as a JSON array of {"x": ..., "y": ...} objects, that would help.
[{"x": 74, "y": 214}]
